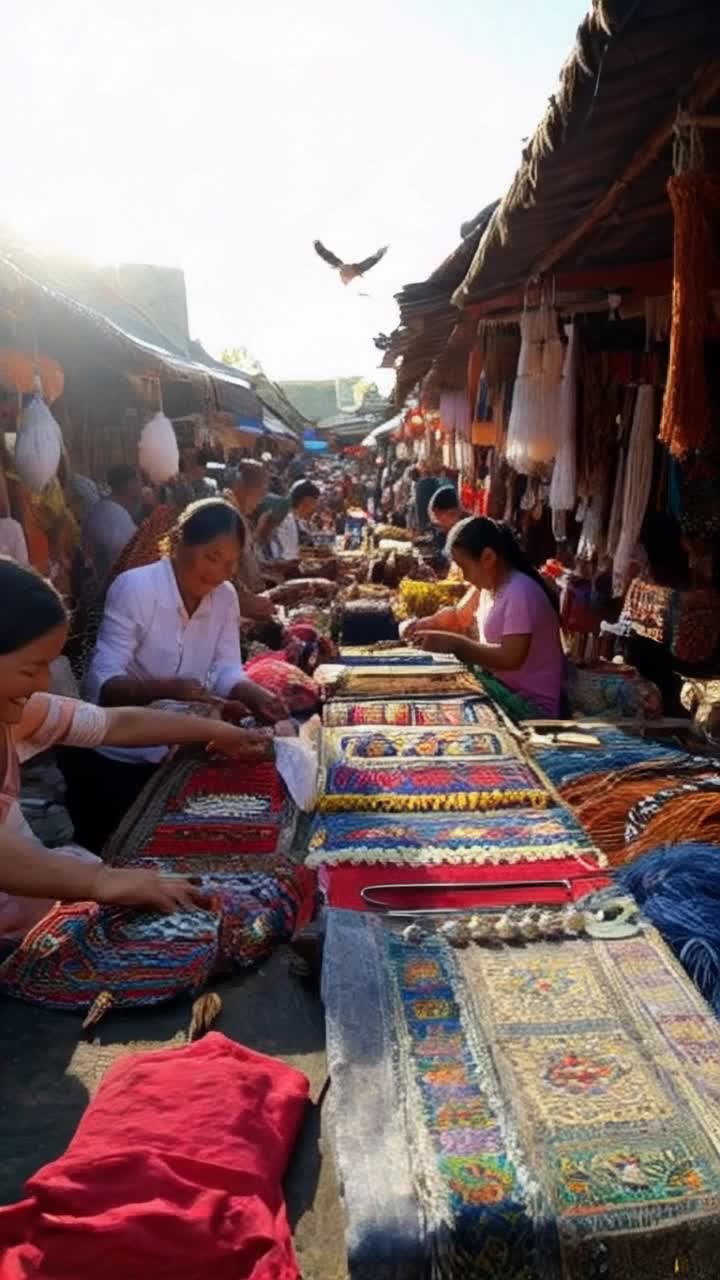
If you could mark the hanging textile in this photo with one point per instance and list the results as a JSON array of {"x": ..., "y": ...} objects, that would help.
[
  {"x": 616, "y": 510},
  {"x": 686, "y": 410},
  {"x": 527, "y": 392},
  {"x": 455, "y": 412},
  {"x": 563, "y": 486},
  {"x": 638, "y": 480}
]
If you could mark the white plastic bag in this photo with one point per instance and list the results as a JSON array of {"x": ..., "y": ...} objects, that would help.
[
  {"x": 158, "y": 452},
  {"x": 38, "y": 447}
]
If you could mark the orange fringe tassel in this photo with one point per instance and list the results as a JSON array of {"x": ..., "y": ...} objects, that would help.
[
  {"x": 602, "y": 803},
  {"x": 697, "y": 813},
  {"x": 686, "y": 411}
]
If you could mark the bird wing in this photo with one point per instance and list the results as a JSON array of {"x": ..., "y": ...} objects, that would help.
[
  {"x": 326, "y": 254},
  {"x": 361, "y": 267}
]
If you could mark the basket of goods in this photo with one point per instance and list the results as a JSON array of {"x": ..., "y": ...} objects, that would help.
[{"x": 417, "y": 599}]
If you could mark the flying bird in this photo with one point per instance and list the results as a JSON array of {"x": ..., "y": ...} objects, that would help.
[{"x": 348, "y": 270}]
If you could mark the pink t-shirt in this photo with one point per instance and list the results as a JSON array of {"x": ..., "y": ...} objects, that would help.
[{"x": 521, "y": 608}]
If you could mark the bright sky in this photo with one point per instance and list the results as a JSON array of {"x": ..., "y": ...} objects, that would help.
[{"x": 225, "y": 136}]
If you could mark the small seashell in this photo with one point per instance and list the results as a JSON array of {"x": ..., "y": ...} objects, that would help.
[
  {"x": 412, "y": 933},
  {"x": 506, "y": 928},
  {"x": 456, "y": 932},
  {"x": 481, "y": 928},
  {"x": 528, "y": 927},
  {"x": 555, "y": 927},
  {"x": 574, "y": 921}
]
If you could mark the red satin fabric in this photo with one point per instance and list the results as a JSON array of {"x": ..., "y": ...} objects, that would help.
[
  {"x": 343, "y": 885},
  {"x": 174, "y": 1171}
]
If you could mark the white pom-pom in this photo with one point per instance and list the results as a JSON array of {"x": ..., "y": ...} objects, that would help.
[
  {"x": 158, "y": 452},
  {"x": 38, "y": 447}
]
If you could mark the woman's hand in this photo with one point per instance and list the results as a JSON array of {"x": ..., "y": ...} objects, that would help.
[
  {"x": 441, "y": 642},
  {"x": 128, "y": 887},
  {"x": 416, "y": 627},
  {"x": 260, "y": 703},
  {"x": 242, "y": 744},
  {"x": 179, "y": 689}
]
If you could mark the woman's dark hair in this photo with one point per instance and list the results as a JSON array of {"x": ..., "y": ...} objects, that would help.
[
  {"x": 301, "y": 490},
  {"x": 31, "y": 606},
  {"x": 206, "y": 519},
  {"x": 444, "y": 499},
  {"x": 477, "y": 533}
]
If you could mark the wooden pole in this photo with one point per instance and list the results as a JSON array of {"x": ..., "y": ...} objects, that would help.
[{"x": 706, "y": 86}]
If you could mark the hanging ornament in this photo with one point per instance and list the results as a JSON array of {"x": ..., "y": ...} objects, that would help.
[
  {"x": 158, "y": 452},
  {"x": 38, "y": 447}
]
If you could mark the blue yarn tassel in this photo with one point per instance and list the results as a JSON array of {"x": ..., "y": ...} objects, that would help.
[{"x": 678, "y": 888}]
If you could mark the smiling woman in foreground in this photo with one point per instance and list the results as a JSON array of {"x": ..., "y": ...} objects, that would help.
[
  {"x": 33, "y": 630},
  {"x": 517, "y": 618}
]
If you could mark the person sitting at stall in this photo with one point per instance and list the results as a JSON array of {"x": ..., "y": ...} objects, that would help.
[
  {"x": 519, "y": 643},
  {"x": 248, "y": 485},
  {"x": 170, "y": 631},
  {"x": 33, "y": 632},
  {"x": 110, "y": 523},
  {"x": 270, "y": 515},
  {"x": 444, "y": 509},
  {"x": 293, "y": 532}
]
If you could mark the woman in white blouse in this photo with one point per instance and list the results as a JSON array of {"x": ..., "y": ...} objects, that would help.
[{"x": 170, "y": 631}]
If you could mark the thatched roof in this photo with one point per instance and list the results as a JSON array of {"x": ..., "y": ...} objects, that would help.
[
  {"x": 427, "y": 316},
  {"x": 77, "y": 315},
  {"x": 590, "y": 191}
]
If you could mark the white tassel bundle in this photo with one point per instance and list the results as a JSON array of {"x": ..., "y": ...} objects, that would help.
[
  {"x": 563, "y": 486},
  {"x": 38, "y": 447},
  {"x": 527, "y": 392},
  {"x": 158, "y": 452},
  {"x": 532, "y": 438},
  {"x": 636, "y": 488}
]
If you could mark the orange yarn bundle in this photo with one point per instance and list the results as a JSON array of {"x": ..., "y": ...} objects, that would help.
[
  {"x": 686, "y": 411},
  {"x": 695, "y": 815},
  {"x": 602, "y": 804}
]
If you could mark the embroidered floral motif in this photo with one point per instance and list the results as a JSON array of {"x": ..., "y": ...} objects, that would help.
[
  {"x": 634, "y": 1174},
  {"x": 578, "y": 1074}
]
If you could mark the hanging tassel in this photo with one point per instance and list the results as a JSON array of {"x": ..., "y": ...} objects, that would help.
[
  {"x": 638, "y": 481},
  {"x": 678, "y": 888},
  {"x": 686, "y": 411},
  {"x": 563, "y": 486}
]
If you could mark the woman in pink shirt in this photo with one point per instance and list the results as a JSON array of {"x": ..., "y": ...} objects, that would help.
[{"x": 516, "y": 616}]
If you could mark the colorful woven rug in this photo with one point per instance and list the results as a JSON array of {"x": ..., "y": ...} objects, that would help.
[
  {"x": 229, "y": 824},
  {"x": 542, "y": 1113},
  {"x": 414, "y": 785},
  {"x": 437, "y": 886},
  {"x": 416, "y": 840},
  {"x": 368, "y": 656},
  {"x": 443, "y": 711},
  {"x": 204, "y": 816},
  {"x": 618, "y": 750},
  {"x": 384, "y": 743},
  {"x": 79, "y": 950},
  {"x": 360, "y": 682}
]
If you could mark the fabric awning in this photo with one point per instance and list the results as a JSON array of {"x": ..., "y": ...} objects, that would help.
[{"x": 380, "y": 432}]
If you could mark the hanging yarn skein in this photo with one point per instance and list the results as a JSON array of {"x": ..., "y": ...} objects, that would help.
[
  {"x": 563, "y": 485},
  {"x": 638, "y": 480},
  {"x": 526, "y": 411},
  {"x": 686, "y": 411},
  {"x": 158, "y": 452},
  {"x": 616, "y": 510}
]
